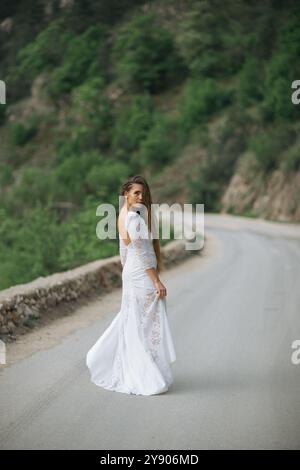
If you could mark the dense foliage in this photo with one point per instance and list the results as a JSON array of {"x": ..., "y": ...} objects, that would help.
[{"x": 127, "y": 89}]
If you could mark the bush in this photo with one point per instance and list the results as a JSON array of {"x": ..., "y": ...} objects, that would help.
[
  {"x": 132, "y": 125},
  {"x": 212, "y": 44},
  {"x": 223, "y": 150},
  {"x": 81, "y": 244},
  {"x": 34, "y": 187},
  {"x": 146, "y": 56},
  {"x": 21, "y": 134},
  {"x": 267, "y": 146},
  {"x": 89, "y": 125},
  {"x": 250, "y": 82},
  {"x": 66, "y": 148},
  {"x": 158, "y": 147},
  {"x": 291, "y": 161},
  {"x": 70, "y": 176},
  {"x": 201, "y": 99},
  {"x": 86, "y": 134},
  {"x": 6, "y": 175},
  {"x": 203, "y": 191},
  {"x": 29, "y": 246},
  {"x": 105, "y": 180},
  {"x": 88, "y": 174},
  {"x": 282, "y": 70},
  {"x": 42, "y": 54},
  {"x": 83, "y": 59}
]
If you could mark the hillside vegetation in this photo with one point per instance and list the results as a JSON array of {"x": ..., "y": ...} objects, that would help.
[{"x": 194, "y": 95}]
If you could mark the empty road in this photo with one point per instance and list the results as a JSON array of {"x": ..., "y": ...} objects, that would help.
[{"x": 234, "y": 314}]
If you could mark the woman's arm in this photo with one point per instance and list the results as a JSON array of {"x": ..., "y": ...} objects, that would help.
[
  {"x": 137, "y": 233},
  {"x": 160, "y": 288}
]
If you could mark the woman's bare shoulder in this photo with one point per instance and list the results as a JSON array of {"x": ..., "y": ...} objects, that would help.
[{"x": 123, "y": 220}]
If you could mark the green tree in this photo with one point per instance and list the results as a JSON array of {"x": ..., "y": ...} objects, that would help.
[
  {"x": 158, "y": 148},
  {"x": 146, "y": 55},
  {"x": 201, "y": 99},
  {"x": 132, "y": 125},
  {"x": 282, "y": 70},
  {"x": 212, "y": 41},
  {"x": 251, "y": 77},
  {"x": 84, "y": 58}
]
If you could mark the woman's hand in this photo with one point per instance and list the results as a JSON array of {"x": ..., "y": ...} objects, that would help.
[{"x": 160, "y": 289}]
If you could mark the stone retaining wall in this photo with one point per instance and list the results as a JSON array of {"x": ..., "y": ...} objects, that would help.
[{"x": 24, "y": 303}]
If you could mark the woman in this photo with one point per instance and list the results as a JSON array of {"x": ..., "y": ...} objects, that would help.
[{"x": 134, "y": 353}]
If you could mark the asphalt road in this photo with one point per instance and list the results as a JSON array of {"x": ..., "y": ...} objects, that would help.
[{"x": 234, "y": 315}]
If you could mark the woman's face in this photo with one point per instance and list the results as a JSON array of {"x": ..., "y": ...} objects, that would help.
[{"x": 135, "y": 194}]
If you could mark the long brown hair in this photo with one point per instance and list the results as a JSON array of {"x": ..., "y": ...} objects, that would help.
[{"x": 147, "y": 201}]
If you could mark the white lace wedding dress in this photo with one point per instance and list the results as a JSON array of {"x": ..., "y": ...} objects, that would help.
[{"x": 135, "y": 352}]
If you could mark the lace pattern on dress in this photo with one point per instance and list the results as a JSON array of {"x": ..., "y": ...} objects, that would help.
[
  {"x": 151, "y": 323},
  {"x": 153, "y": 334}
]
